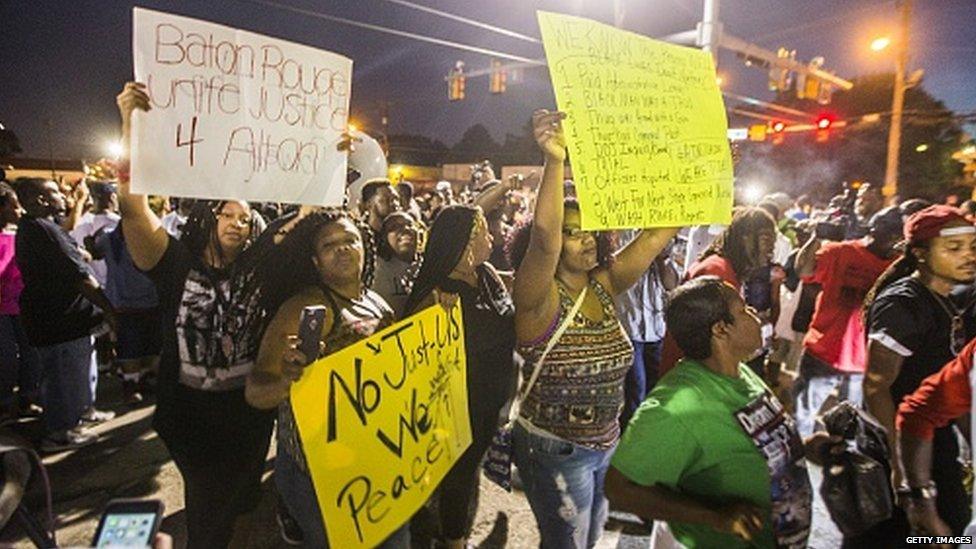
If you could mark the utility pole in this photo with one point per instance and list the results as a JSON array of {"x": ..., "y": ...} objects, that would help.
[
  {"x": 897, "y": 102},
  {"x": 710, "y": 29}
]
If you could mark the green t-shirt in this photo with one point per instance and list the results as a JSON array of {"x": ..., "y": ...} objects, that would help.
[{"x": 721, "y": 440}]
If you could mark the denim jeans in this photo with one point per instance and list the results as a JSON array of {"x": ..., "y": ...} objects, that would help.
[
  {"x": 19, "y": 364},
  {"x": 297, "y": 492},
  {"x": 564, "y": 485},
  {"x": 816, "y": 383},
  {"x": 641, "y": 378},
  {"x": 68, "y": 382}
]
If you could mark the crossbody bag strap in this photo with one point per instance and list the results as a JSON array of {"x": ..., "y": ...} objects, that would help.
[{"x": 517, "y": 405}]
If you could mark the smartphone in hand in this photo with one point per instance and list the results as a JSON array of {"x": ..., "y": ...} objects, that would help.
[
  {"x": 129, "y": 523},
  {"x": 310, "y": 331}
]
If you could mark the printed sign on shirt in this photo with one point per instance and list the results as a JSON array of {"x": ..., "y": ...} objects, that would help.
[
  {"x": 237, "y": 115},
  {"x": 776, "y": 438},
  {"x": 646, "y": 126},
  {"x": 382, "y": 421}
]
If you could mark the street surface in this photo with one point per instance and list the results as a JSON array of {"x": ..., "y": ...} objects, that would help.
[{"x": 130, "y": 461}]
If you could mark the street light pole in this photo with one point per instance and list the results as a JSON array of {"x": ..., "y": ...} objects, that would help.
[
  {"x": 897, "y": 103},
  {"x": 710, "y": 29}
]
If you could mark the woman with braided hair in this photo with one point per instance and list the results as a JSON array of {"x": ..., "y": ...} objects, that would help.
[
  {"x": 319, "y": 262},
  {"x": 456, "y": 263}
]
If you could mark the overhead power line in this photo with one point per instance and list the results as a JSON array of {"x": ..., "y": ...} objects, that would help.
[
  {"x": 466, "y": 20},
  {"x": 395, "y": 32}
]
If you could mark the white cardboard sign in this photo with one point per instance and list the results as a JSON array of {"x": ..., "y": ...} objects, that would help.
[{"x": 237, "y": 115}]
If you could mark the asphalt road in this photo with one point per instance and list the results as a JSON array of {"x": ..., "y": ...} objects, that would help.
[{"x": 130, "y": 461}]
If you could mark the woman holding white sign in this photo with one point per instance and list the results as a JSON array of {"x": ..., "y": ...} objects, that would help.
[
  {"x": 218, "y": 442},
  {"x": 319, "y": 262},
  {"x": 575, "y": 349}
]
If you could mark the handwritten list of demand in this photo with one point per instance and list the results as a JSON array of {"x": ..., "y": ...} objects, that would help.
[
  {"x": 646, "y": 126},
  {"x": 236, "y": 114}
]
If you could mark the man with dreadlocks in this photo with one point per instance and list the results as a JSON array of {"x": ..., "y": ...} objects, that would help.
[
  {"x": 736, "y": 256},
  {"x": 218, "y": 441},
  {"x": 319, "y": 262},
  {"x": 920, "y": 315}
]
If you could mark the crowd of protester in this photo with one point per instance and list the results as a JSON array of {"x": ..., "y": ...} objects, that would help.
[{"x": 678, "y": 374}]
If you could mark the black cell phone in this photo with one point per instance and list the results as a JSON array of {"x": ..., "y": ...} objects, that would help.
[
  {"x": 310, "y": 331},
  {"x": 129, "y": 523},
  {"x": 830, "y": 231}
]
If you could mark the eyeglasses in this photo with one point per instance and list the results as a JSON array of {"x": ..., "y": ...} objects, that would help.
[
  {"x": 243, "y": 219},
  {"x": 576, "y": 232}
]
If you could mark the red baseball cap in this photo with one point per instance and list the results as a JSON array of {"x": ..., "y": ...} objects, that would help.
[{"x": 931, "y": 222}]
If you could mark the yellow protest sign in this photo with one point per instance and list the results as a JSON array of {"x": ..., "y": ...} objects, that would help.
[
  {"x": 382, "y": 421},
  {"x": 646, "y": 126}
]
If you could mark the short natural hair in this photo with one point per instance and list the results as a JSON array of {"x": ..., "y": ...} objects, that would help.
[
  {"x": 373, "y": 186},
  {"x": 693, "y": 308},
  {"x": 29, "y": 188}
]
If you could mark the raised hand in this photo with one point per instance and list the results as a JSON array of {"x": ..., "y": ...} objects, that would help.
[
  {"x": 547, "y": 128},
  {"x": 133, "y": 96}
]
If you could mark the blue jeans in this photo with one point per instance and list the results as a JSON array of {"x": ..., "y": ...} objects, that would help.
[
  {"x": 564, "y": 485},
  {"x": 20, "y": 365},
  {"x": 814, "y": 386},
  {"x": 297, "y": 492},
  {"x": 641, "y": 378},
  {"x": 68, "y": 382}
]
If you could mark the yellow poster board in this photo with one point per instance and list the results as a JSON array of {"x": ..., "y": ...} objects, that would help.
[
  {"x": 382, "y": 421},
  {"x": 646, "y": 126}
]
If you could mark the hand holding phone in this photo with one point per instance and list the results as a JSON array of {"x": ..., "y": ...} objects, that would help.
[
  {"x": 129, "y": 523},
  {"x": 310, "y": 332}
]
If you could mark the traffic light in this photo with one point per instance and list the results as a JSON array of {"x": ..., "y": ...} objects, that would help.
[
  {"x": 826, "y": 92},
  {"x": 824, "y": 122},
  {"x": 808, "y": 86},
  {"x": 455, "y": 82},
  {"x": 757, "y": 132},
  {"x": 778, "y": 126},
  {"x": 498, "y": 78},
  {"x": 781, "y": 78}
]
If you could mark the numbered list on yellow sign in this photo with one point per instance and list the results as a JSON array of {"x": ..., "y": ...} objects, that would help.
[
  {"x": 382, "y": 421},
  {"x": 646, "y": 126}
]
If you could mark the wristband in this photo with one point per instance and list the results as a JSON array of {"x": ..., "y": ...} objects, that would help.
[{"x": 926, "y": 492}]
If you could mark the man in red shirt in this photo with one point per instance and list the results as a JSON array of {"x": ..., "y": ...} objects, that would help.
[
  {"x": 942, "y": 398},
  {"x": 834, "y": 348}
]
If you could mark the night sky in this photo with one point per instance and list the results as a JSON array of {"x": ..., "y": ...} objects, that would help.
[{"x": 62, "y": 62}]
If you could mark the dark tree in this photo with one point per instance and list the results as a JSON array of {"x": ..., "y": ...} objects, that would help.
[
  {"x": 417, "y": 150},
  {"x": 9, "y": 144},
  {"x": 858, "y": 151}
]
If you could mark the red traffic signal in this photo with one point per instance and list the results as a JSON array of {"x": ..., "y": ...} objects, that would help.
[
  {"x": 778, "y": 126},
  {"x": 824, "y": 122}
]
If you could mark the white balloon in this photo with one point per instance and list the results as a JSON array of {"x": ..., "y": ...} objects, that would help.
[{"x": 368, "y": 161}]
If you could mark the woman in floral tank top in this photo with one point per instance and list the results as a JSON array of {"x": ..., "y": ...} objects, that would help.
[{"x": 568, "y": 425}]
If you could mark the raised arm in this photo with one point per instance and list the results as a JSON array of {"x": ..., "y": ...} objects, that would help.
[
  {"x": 279, "y": 362},
  {"x": 635, "y": 258},
  {"x": 79, "y": 197},
  {"x": 534, "y": 289},
  {"x": 144, "y": 233},
  {"x": 806, "y": 258},
  {"x": 489, "y": 199}
]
